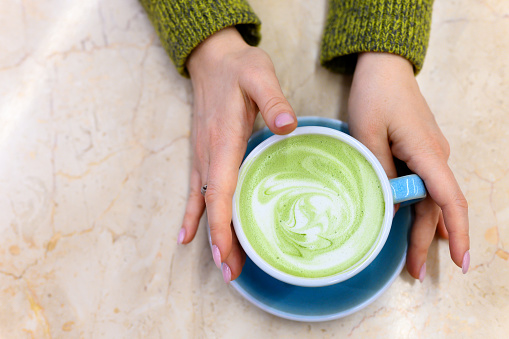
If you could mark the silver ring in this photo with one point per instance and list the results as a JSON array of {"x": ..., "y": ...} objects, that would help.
[{"x": 203, "y": 190}]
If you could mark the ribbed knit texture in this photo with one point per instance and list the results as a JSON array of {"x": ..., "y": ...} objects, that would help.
[
  {"x": 394, "y": 26},
  {"x": 183, "y": 24}
]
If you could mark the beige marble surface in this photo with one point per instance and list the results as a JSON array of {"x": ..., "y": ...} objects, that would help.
[{"x": 94, "y": 158}]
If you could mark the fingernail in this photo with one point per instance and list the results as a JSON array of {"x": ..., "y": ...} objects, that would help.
[
  {"x": 283, "y": 119},
  {"x": 466, "y": 262},
  {"x": 227, "y": 273},
  {"x": 216, "y": 255},
  {"x": 182, "y": 235},
  {"x": 422, "y": 273}
]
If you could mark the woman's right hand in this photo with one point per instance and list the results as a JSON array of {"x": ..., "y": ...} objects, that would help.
[{"x": 232, "y": 81}]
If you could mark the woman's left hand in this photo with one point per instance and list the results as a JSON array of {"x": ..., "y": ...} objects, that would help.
[{"x": 388, "y": 114}]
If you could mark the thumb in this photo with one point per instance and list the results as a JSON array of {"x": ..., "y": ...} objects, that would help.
[
  {"x": 378, "y": 143},
  {"x": 275, "y": 109}
]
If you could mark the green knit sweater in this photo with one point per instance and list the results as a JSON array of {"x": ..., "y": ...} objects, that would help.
[{"x": 394, "y": 26}]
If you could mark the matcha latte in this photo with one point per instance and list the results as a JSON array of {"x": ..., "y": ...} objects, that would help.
[{"x": 310, "y": 205}]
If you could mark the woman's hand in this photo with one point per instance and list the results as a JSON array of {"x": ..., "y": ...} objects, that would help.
[
  {"x": 389, "y": 115},
  {"x": 232, "y": 81}
]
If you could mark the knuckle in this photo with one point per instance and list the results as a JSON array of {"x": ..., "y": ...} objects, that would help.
[
  {"x": 222, "y": 234},
  {"x": 213, "y": 193},
  {"x": 422, "y": 251},
  {"x": 273, "y": 104},
  {"x": 200, "y": 151},
  {"x": 219, "y": 139},
  {"x": 459, "y": 235},
  {"x": 217, "y": 231},
  {"x": 434, "y": 148},
  {"x": 214, "y": 227},
  {"x": 461, "y": 202},
  {"x": 257, "y": 70},
  {"x": 419, "y": 250},
  {"x": 223, "y": 134},
  {"x": 214, "y": 139},
  {"x": 199, "y": 154},
  {"x": 194, "y": 194},
  {"x": 428, "y": 151},
  {"x": 189, "y": 219},
  {"x": 438, "y": 145},
  {"x": 446, "y": 148}
]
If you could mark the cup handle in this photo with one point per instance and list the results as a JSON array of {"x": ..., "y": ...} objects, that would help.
[{"x": 409, "y": 189}]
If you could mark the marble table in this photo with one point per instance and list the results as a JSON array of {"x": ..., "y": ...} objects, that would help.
[{"x": 94, "y": 165}]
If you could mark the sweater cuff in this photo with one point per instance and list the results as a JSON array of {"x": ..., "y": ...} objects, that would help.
[
  {"x": 394, "y": 26},
  {"x": 183, "y": 24}
]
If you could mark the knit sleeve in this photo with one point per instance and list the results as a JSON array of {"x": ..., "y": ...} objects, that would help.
[
  {"x": 394, "y": 26},
  {"x": 183, "y": 24}
]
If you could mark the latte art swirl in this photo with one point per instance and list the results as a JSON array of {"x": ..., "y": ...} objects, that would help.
[{"x": 311, "y": 205}]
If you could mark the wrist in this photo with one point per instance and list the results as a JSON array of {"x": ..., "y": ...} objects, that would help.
[
  {"x": 215, "y": 48},
  {"x": 376, "y": 62}
]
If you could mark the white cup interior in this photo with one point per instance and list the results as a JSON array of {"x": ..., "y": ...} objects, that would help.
[{"x": 371, "y": 254}]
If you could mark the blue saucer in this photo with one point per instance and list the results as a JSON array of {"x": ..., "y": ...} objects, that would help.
[{"x": 331, "y": 302}]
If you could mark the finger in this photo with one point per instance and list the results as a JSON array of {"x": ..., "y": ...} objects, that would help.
[
  {"x": 376, "y": 140},
  {"x": 423, "y": 231},
  {"x": 275, "y": 109},
  {"x": 194, "y": 210},
  {"x": 222, "y": 180},
  {"x": 444, "y": 189},
  {"x": 442, "y": 231},
  {"x": 232, "y": 266}
]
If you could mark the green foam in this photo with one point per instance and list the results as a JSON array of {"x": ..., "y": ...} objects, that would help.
[{"x": 311, "y": 205}]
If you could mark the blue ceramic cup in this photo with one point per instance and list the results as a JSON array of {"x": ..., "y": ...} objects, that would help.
[{"x": 408, "y": 188}]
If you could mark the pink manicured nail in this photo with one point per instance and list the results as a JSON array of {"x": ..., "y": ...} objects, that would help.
[
  {"x": 227, "y": 273},
  {"x": 284, "y": 119},
  {"x": 182, "y": 235},
  {"x": 422, "y": 273},
  {"x": 466, "y": 262},
  {"x": 216, "y": 255}
]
